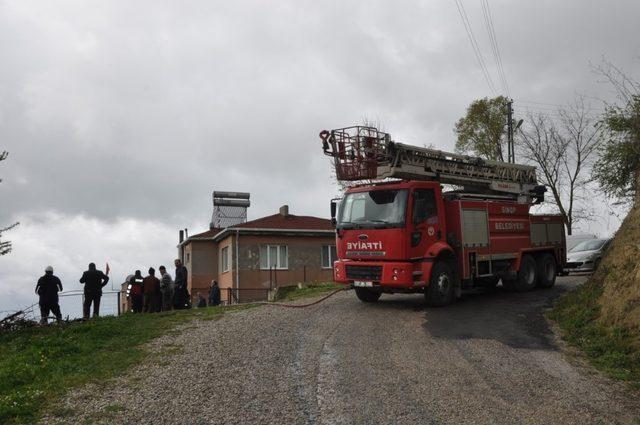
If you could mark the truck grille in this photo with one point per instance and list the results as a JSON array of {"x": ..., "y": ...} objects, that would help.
[{"x": 364, "y": 272}]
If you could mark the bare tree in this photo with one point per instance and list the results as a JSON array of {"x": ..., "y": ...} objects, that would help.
[
  {"x": 563, "y": 152},
  {"x": 5, "y": 246}
]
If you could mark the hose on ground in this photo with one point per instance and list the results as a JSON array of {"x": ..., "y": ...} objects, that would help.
[{"x": 303, "y": 305}]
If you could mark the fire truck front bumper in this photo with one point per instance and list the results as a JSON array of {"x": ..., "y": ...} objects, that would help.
[{"x": 400, "y": 275}]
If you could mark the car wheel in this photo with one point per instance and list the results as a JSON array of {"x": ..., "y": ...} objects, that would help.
[{"x": 596, "y": 264}]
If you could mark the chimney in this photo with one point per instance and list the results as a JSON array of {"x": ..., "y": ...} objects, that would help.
[
  {"x": 284, "y": 210},
  {"x": 181, "y": 236}
]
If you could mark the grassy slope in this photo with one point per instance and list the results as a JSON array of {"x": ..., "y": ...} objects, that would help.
[
  {"x": 38, "y": 365},
  {"x": 603, "y": 316}
]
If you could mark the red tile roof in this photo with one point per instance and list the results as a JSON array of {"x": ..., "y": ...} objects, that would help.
[
  {"x": 278, "y": 221},
  {"x": 206, "y": 235},
  {"x": 275, "y": 222}
]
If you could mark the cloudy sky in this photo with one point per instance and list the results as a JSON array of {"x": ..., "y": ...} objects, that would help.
[{"x": 121, "y": 117}]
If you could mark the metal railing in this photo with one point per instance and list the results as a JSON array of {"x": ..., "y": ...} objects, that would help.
[{"x": 71, "y": 303}]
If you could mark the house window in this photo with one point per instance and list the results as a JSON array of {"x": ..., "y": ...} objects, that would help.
[
  {"x": 329, "y": 255},
  {"x": 274, "y": 256},
  {"x": 225, "y": 263}
]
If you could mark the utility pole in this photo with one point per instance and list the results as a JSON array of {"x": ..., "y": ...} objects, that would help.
[{"x": 510, "y": 149}]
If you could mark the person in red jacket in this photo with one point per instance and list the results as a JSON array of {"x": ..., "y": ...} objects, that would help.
[{"x": 136, "y": 292}]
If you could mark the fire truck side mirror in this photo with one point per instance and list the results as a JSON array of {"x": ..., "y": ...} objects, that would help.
[{"x": 334, "y": 207}]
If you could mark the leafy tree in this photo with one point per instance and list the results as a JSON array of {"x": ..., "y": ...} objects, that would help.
[
  {"x": 618, "y": 169},
  {"x": 5, "y": 246},
  {"x": 481, "y": 131}
]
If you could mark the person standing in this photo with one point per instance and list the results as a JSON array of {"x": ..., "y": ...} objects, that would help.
[
  {"x": 214, "y": 294},
  {"x": 151, "y": 288},
  {"x": 136, "y": 292},
  {"x": 166, "y": 286},
  {"x": 47, "y": 289},
  {"x": 94, "y": 280},
  {"x": 181, "y": 293}
]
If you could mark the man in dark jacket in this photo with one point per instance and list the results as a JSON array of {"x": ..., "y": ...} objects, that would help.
[
  {"x": 94, "y": 280},
  {"x": 47, "y": 288},
  {"x": 181, "y": 295},
  {"x": 214, "y": 294}
]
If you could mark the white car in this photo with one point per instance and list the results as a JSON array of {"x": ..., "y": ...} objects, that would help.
[{"x": 586, "y": 256}]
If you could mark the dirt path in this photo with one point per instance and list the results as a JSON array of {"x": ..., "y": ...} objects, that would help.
[{"x": 490, "y": 358}]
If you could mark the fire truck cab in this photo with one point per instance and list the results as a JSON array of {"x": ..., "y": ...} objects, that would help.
[{"x": 407, "y": 235}]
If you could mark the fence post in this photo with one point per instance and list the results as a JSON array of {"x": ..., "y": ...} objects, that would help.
[{"x": 118, "y": 300}]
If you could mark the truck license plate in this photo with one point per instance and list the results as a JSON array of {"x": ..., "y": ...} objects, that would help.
[{"x": 363, "y": 284}]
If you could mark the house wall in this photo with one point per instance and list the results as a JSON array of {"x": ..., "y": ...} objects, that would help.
[
  {"x": 304, "y": 263},
  {"x": 201, "y": 260},
  {"x": 226, "y": 279}
]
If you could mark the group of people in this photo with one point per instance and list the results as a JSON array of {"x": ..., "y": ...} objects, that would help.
[
  {"x": 148, "y": 294},
  {"x": 214, "y": 296}
]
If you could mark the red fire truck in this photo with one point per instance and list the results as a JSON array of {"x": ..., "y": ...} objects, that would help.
[{"x": 399, "y": 230}]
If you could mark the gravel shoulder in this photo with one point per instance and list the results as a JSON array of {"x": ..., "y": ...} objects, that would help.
[{"x": 490, "y": 358}]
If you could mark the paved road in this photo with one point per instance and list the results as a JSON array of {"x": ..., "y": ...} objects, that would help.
[{"x": 489, "y": 358}]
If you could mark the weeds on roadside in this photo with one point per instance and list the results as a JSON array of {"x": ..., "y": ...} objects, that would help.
[{"x": 610, "y": 348}]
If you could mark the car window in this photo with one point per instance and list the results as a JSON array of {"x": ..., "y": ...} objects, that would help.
[{"x": 590, "y": 245}]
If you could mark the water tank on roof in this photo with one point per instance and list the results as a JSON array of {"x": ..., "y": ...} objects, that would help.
[{"x": 229, "y": 209}]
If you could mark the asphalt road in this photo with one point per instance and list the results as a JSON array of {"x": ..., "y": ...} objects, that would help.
[{"x": 490, "y": 358}]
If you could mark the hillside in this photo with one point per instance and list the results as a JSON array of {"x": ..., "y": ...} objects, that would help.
[
  {"x": 620, "y": 278},
  {"x": 603, "y": 316}
]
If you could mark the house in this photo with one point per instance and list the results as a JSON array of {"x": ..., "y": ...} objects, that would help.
[{"x": 248, "y": 259}]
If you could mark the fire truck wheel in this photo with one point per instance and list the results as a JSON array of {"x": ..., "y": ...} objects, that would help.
[
  {"x": 441, "y": 285},
  {"x": 526, "y": 280},
  {"x": 546, "y": 271},
  {"x": 367, "y": 295}
]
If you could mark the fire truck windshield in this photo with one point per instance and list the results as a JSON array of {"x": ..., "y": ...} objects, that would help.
[{"x": 374, "y": 209}]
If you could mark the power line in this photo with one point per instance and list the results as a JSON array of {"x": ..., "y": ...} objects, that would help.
[
  {"x": 474, "y": 45},
  {"x": 554, "y": 113},
  {"x": 554, "y": 106},
  {"x": 488, "y": 20},
  {"x": 538, "y": 103}
]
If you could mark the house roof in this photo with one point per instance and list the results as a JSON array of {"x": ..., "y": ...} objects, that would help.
[
  {"x": 289, "y": 222},
  {"x": 276, "y": 223},
  {"x": 206, "y": 235}
]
